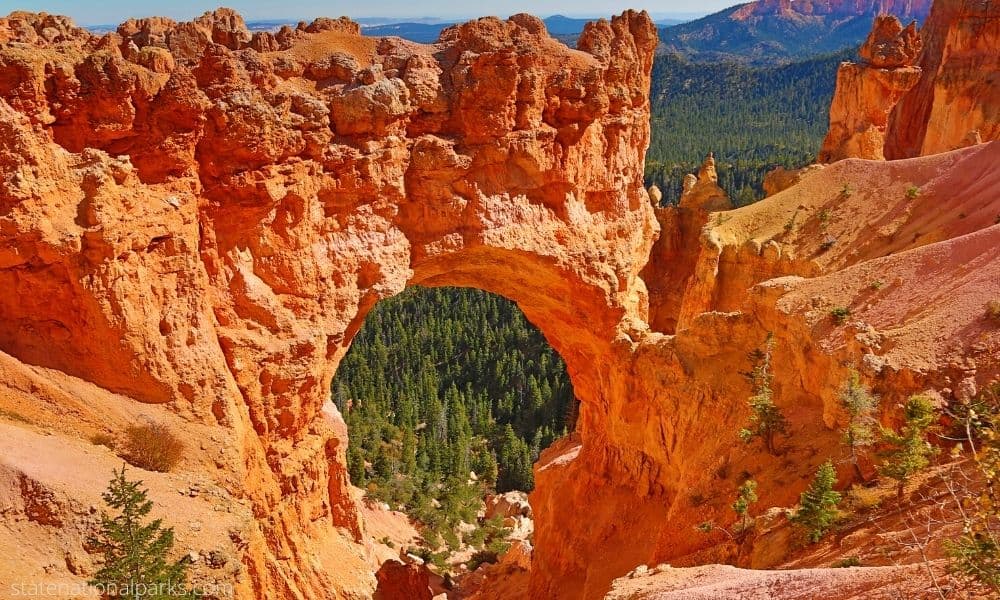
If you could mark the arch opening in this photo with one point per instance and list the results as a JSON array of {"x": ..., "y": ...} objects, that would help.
[{"x": 450, "y": 394}]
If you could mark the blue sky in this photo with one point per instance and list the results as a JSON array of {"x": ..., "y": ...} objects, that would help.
[{"x": 95, "y": 12}]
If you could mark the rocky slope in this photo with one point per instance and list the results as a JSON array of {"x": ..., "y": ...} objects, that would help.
[
  {"x": 772, "y": 30},
  {"x": 195, "y": 221}
]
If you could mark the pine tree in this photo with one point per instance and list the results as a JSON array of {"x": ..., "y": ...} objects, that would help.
[
  {"x": 135, "y": 552},
  {"x": 766, "y": 419},
  {"x": 745, "y": 496},
  {"x": 818, "y": 504},
  {"x": 911, "y": 451},
  {"x": 860, "y": 405}
]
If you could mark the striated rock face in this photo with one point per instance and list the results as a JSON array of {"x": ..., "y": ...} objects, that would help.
[
  {"x": 866, "y": 93},
  {"x": 199, "y": 218},
  {"x": 959, "y": 91}
]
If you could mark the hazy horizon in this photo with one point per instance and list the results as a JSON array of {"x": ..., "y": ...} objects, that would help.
[{"x": 115, "y": 11}]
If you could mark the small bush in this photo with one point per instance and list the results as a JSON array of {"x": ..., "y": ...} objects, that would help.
[
  {"x": 840, "y": 314},
  {"x": 912, "y": 192},
  {"x": 480, "y": 557},
  {"x": 993, "y": 310},
  {"x": 850, "y": 561},
  {"x": 862, "y": 499},
  {"x": 818, "y": 504},
  {"x": 152, "y": 446},
  {"x": 846, "y": 191},
  {"x": 877, "y": 284},
  {"x": 828, "y": 243},
  {"x": 103, "y": 439}
]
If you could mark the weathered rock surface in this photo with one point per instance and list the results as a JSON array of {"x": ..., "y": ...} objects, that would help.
[
  {"x": 202, "y": 237},
  {"x": 867, "y": 92},
  {"x": 959, "y": 89},
  {"x": 766, "y": 8},
  {"x": 893, "y": 106},
  {"x": 508, "y": 504},
  {"x": 196, "y": 220},
  {"x": 398, "y": 581},
  {"x": 780, "y": 178}
]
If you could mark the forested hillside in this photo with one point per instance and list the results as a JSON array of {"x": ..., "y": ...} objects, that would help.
[
  {"x": 752, "y": 118},
  {"x": 443, "y": 382}
]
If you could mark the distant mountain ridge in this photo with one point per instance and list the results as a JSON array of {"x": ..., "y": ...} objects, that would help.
[
  {"x": 783, "y": 30},
  {"x": 559, "y": 26}
]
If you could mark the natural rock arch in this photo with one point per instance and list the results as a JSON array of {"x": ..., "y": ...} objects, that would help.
[{"x": 218, "y": 240}]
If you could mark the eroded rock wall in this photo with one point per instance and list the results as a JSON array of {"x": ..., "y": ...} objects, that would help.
[
  {"x": 959, "y": 89},
  {"x": 867, "y": 92},
  {"x": 902, "y": 101},
  {"x": 201, "y": 218}
]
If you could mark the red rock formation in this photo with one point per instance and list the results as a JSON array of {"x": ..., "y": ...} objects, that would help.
[
  {"x": 195, "y": 219},
  {"x": 397, "y": 581},
  {"x": 780, "y": 179},
  {"x": 959, "y": 90},
  {"x": 867, "y": 92}
]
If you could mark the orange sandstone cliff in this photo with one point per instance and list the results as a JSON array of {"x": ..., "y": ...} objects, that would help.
[
  {"x": 866, "y": 92},
  {"x": 196, "y": 220},
  {"x": 902, "y": 101},
  {"x": 958, "y": 94}
]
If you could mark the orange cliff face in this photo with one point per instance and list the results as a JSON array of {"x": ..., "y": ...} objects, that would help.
[
  {"x": 198, "y": 219},
  {"x": 957, "y": 101},
  {"x": 916, "y": 9},
  {"x": 866, "y": 92},
  {"x": 902, "y": 101}
]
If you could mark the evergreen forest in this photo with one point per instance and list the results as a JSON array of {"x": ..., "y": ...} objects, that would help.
[
  {"x": 753, "y": 118},
  {"x": 449, "y": 393}
]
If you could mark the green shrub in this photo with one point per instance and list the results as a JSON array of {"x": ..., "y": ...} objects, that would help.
[
  {"x": 480, "y": 557},
  {"x": 910, "y": 451},
  {"x": 850, "y": 561},
  {"x": 135, "y": 551},
  {"x": 840, "y": 314},
  {"x": 767, "y": 421},
  {"x": 860, "y": 406},
  {"x": 912, "y": 192}
]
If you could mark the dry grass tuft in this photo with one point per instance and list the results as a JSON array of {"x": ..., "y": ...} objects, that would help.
[{"x": 152, "y": 446}]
